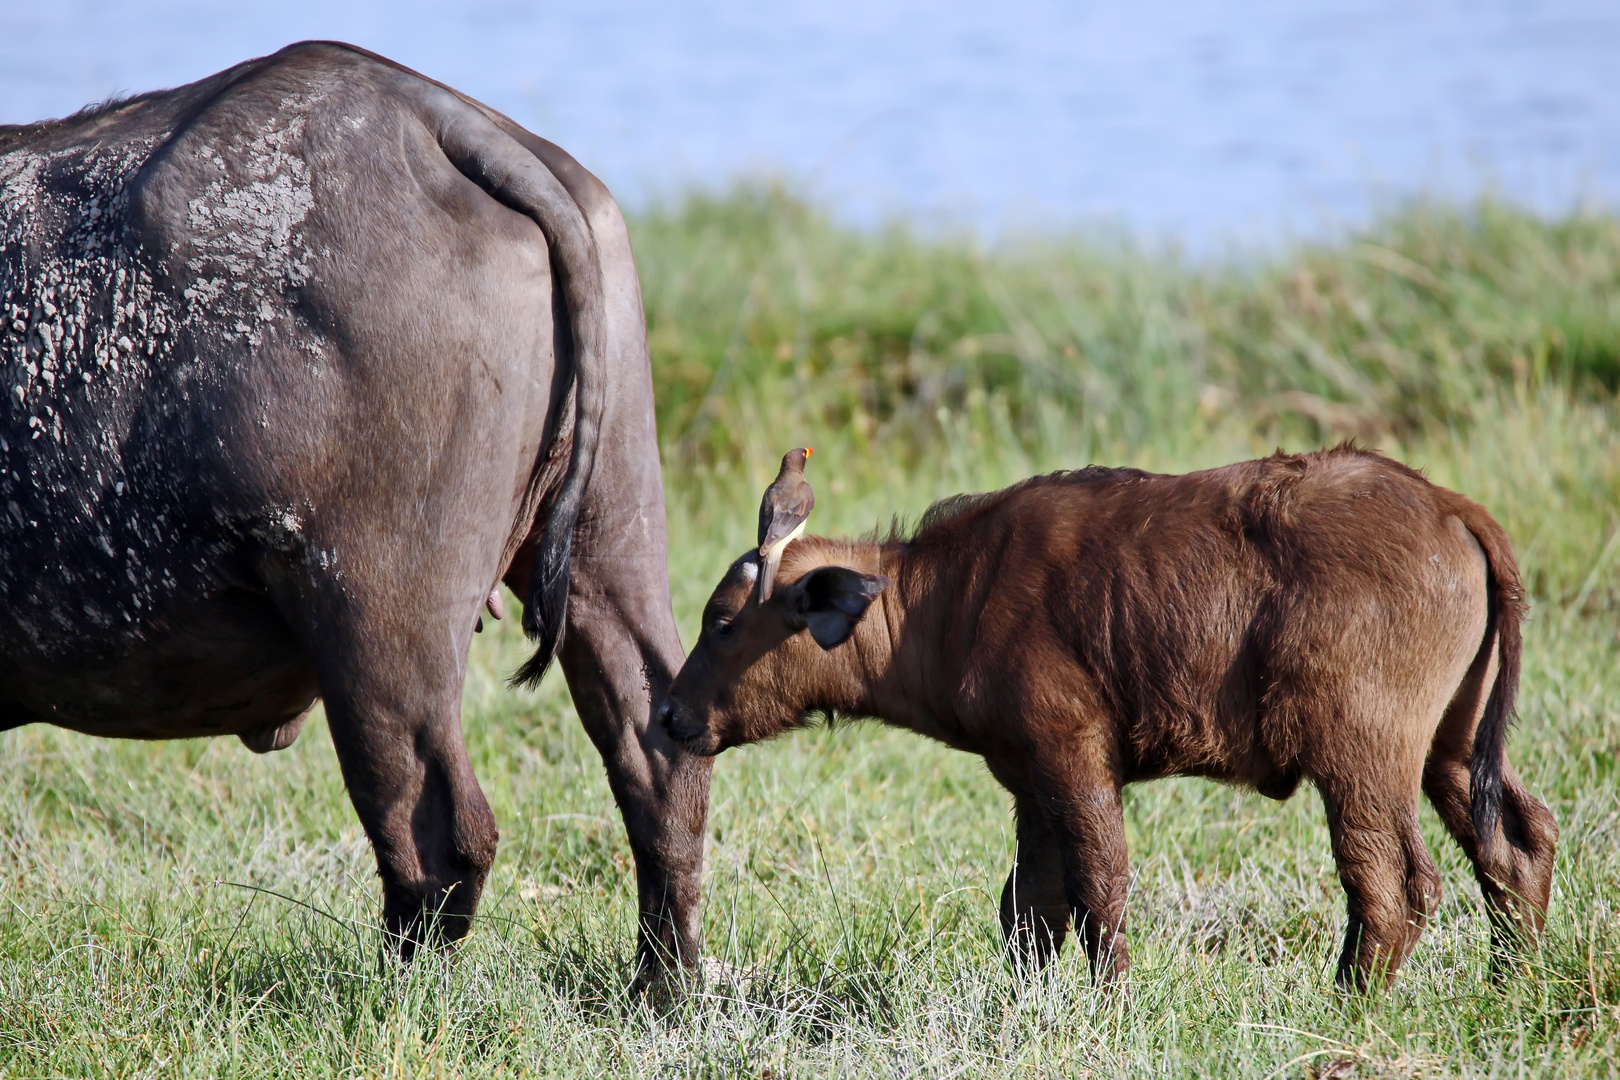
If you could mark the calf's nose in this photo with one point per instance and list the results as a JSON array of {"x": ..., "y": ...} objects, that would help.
[{"x": 678, "y": 722}]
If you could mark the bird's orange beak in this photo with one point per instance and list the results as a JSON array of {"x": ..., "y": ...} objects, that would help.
[{"x": 809, "y": 450}]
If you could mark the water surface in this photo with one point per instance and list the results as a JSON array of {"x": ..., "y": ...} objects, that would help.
[{"x": 1200, "y": 120}]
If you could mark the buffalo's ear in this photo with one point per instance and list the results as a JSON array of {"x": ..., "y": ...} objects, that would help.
[{"x": 830, "y": 601}]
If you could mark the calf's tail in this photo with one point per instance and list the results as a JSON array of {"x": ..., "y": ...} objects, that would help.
[
  {"x": 1505, "y": 613},
  {"x": 511, "y": 174}
]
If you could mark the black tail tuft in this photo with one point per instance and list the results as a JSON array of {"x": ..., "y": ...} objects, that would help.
[
  {"x": 1490, "y": 740},
  {"x": 1502, "y": 626},
  {"x": 545, "y": 612}
]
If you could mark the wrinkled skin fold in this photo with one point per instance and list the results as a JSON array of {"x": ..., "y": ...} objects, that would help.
[{"x": 299, "y": 362}]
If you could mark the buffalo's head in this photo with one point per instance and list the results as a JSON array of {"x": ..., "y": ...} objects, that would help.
[{"x": 759, "y": 668}]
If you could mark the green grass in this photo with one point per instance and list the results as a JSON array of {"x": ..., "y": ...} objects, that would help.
[{"x": 853, "y": 873}]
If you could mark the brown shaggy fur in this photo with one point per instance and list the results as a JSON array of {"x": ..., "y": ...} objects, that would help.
[{"x": 1330, "y": 617}]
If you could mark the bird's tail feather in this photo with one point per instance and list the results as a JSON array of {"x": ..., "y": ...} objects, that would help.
[{"x": 770, "y": 559}]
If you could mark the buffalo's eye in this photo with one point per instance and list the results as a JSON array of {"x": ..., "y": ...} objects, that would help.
[{"x": 721, "y": 628}]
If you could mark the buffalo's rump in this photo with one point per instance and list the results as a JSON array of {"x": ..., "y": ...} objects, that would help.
[{"x": 255, "y": 333}]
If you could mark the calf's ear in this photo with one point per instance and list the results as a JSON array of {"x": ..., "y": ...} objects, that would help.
[{"x": 830, "y": 600}]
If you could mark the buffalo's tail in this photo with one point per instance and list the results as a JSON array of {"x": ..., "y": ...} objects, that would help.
[{"x": 504, "y": 168}]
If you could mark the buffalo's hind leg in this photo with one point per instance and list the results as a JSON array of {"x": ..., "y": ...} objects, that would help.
[
  {"x": 1515, "y": 878},
  {"x": 620, "y": 654},
  {"x": 621, "y": 649},
  {"x": 393, "y": 703},
  {"x": 1034, "y": 906}
]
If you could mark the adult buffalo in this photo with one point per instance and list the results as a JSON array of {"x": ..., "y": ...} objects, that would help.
[{"x": 298, "y": 363}]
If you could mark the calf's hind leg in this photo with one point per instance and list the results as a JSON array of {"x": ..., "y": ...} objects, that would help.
[
  {"x": 1390, "y": 883},
  {"x": 1516, "y": 876}
]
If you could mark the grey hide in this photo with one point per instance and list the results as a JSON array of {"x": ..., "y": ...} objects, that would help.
[{"x": 296, "y": 363}]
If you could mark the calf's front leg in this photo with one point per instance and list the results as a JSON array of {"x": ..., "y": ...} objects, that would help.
[
  {"x": 1034, "y": 906},
  {"x": 1080, "y": 798}
]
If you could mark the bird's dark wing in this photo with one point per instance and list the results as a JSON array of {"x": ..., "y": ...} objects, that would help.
[
  {"x": 784, "y": 510},
  {"x": 765, "y": 514}
]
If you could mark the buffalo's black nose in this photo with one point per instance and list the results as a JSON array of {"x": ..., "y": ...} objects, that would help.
[{"x": 666, "y": 716}]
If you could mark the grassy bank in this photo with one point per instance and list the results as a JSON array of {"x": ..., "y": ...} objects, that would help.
[
  {"x": 755, "y": 298},
  {"x": 853, "y": 874}
]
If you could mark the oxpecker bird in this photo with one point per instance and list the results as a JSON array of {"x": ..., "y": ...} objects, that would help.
[{"x": 782, "y": 514}]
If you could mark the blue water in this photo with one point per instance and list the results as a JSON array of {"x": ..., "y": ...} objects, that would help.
[{"x": 1204, "y": 121}]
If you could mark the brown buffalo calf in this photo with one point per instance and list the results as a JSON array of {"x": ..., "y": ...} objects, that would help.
[{"x": 1331, "y": 617}]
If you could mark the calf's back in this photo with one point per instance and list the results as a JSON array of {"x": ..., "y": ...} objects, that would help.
[{"x": 1220, "y": 619}]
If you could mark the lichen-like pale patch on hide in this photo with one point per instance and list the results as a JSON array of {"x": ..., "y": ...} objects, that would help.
[
  {"x": 244, "y": 226},
  {"x": 97, "y": 354}
]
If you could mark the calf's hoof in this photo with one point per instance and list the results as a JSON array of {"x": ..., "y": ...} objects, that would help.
[{"x": 662, "y": 986}]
